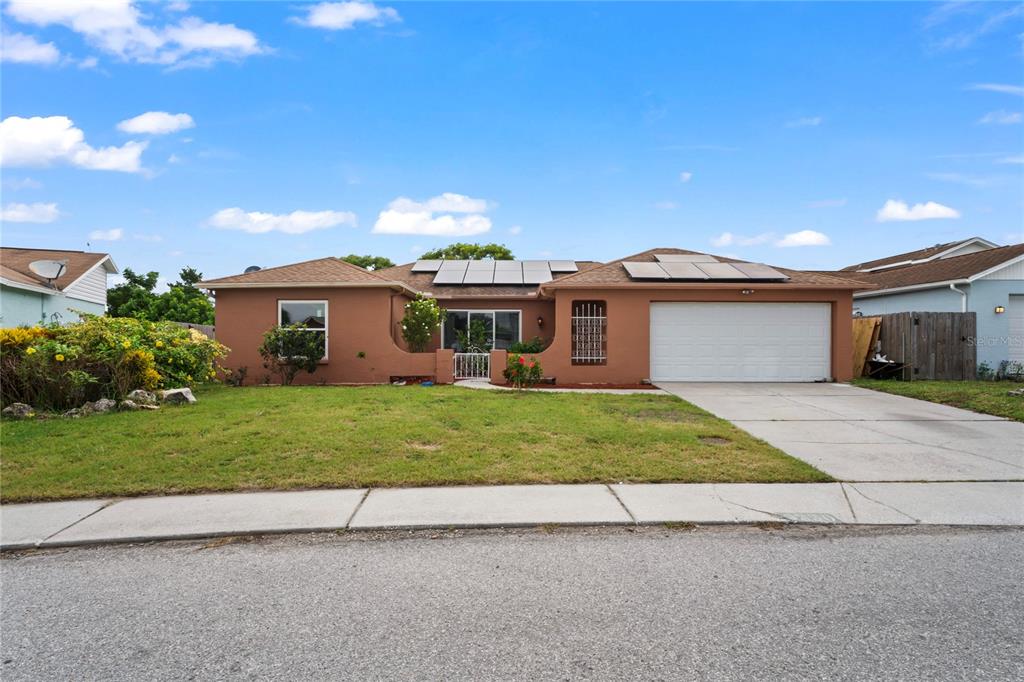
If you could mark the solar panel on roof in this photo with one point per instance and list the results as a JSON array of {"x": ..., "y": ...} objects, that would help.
[
  {"x": 451, "y": 272},
  {"x": 508, "y": 272},
  {"x": 563, "y": 266},
  {"x": 760, "y": 271},
  {"x": 479, "y": 272},
  {"x": 534, "y": 273},
  {"x": 685, "y": 258},
  {"x": 721, "y": 271},
  {"x": 645, "y": 270},
  {"x": 683, "y": 271},
  {"x": 426, "y": 265}
]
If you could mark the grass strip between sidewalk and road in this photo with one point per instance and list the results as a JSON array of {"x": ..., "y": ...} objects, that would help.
[{"x": 273, "y": 438}]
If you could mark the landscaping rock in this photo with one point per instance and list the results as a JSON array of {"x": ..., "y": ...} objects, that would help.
[
  {"x": 74, "y": 413},
  {"x": 142, "y": 397},
  {"x": 101, "y": 406},
  {"x": 127, "y": 405},
  {"x": 1017, "y": 393},
  {"x": 179, "y": 396},
  {"x": 19, "y": 411},
  {"x": 149, "y": 407}
]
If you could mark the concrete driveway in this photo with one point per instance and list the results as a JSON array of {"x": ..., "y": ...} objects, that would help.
[{"x": 856, "y": 434}]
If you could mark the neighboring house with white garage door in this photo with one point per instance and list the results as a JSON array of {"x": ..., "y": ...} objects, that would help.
[
  {"x": 972, "y": 275},
  {"x": 660, "y": 315},
  {"x": 44, "y": 286}
]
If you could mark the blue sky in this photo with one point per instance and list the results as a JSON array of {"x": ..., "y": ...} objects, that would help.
[{"x": 221, "y": 135}]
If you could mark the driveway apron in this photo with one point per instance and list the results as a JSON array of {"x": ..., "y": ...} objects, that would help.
[{"x": 855, "y": 434}]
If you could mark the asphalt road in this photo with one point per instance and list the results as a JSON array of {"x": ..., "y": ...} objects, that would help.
[{"x": 655, "y": 603}]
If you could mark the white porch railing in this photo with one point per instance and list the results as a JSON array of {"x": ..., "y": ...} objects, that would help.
[{"x": 472, "y": 365}]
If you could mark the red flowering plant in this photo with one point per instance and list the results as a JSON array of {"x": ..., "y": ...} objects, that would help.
[{"x": 522, "y": 372}]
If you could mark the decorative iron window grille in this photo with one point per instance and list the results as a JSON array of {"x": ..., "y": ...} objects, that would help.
[{"x": 589, "y": 333}]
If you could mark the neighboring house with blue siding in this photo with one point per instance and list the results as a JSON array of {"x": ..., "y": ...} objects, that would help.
[
  {"x": 972, "y": 275},
  {"x": 27, "y": 298}
]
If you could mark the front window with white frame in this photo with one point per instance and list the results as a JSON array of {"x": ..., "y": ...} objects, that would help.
[
  {"x": 310, "y": 315},
  {"x": 481, "y": 330}
]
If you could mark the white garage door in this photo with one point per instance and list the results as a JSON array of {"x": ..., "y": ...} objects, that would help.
[{"x": 740, "y": 341}]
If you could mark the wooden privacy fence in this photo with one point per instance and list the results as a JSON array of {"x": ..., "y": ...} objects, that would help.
[
  {"x": 207, "y": 329},
  {"x": 933, "y": 345}
]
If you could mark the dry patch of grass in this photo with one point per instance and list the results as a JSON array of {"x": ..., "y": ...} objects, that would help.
[{"x": 332, "y": 436}]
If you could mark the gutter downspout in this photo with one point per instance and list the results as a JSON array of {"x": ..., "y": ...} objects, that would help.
[{"x": 963, "y": 297}]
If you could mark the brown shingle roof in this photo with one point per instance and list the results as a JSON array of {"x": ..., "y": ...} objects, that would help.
[
  {"x": 424, "y": 281},
  {"x": 941, "y": 270},
  {"x": 318, "y": 272},
  {"x": 614, "y": 274},
  {"x": 920, "y": 254},
  {"x": 14, "y": 263}
]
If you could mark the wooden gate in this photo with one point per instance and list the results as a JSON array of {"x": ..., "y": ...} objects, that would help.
[{"x": 935, "y": 345}]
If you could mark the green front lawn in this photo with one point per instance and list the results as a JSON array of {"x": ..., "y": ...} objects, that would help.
[
  {"x": 988, "y": 397},
  {"x": 299, "y": 437}
]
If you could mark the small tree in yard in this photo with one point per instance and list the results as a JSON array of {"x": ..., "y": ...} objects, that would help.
[
  {"x": 522, "y": 373},
  {"x": 422, "y": 318},
  {"x": 289, "y": 350}
]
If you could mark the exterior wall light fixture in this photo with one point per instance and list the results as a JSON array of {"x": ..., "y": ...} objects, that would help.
[{"x": 1000, "y": 309}]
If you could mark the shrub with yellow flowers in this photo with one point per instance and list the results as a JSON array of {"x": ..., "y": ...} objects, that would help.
[{"x": 59, "y": 367}]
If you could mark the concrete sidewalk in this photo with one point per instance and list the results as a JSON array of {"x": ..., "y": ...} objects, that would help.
[{"x": 84, "y": 522}]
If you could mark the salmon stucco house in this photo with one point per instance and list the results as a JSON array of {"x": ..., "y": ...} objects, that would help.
[{"x": 661, "y": 315}]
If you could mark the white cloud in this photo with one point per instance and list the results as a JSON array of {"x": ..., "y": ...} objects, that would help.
[
  {"x": 44, "y": 141},
  {"x": 666, "y": 205},
  {"x": 156, "y": 123},
  {"x": 1001, "y": 117},
  {"x": 405, "y": 216},
  {"x": 401, "y": 222},
  {"x": 88, "y": 63},
  {"x": 805, "y": 122},
  {"x": 106, "y": 235},
  {"x": 515, "y": 229},
  {"x": 341, "y": 16},
  {"x": 827, "y": 203},
  {"x": 961, "y": 179},
  {"x": 1016, "y": 160},
  {"x": 804, "y": 238},
  {"x": 24, "y": 49},
  {"x": 999, "y": 87},
  {"x": 685, "y": 176},
  {"x": 447, "y": 202},
  {"x": 296, "y": 222},
  {"x": 116, "y": 27},
  {"x": 894, "y": 210},
  {"x": 730, "y": 239},
  {"x": 974, "y": 21},
  {"x": 15, "y": 184},
  {"x": 29, "y": 213},
  {"x": 173, "y": 158}
]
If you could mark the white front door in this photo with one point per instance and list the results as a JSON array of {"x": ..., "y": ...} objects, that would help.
[
  {"x": 1015, "y": 311},
  {"x": 741, "y": 341}
]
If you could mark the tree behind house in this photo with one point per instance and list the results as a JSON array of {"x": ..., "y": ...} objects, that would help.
[
  {"x": 182, "y": 302},
  {"x": 463, "y": 251},
  {"x": 368, "y": 262}
]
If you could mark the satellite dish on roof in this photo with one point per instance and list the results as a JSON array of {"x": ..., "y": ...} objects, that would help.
[
  {"x": 48, "y": 269},
  {"x": 252, "y": 268}
]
